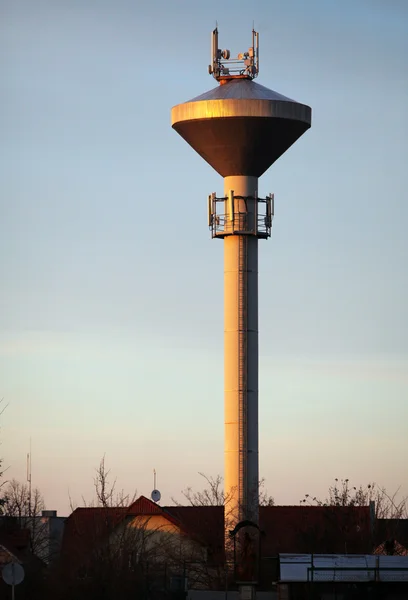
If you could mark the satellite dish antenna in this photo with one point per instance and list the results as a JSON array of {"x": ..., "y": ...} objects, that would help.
[
  {"x": 155, "y": 495},
  {"x": 13, "y": 573}
]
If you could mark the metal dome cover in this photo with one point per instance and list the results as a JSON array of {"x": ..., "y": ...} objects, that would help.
[{"x": 241, "y": 89}]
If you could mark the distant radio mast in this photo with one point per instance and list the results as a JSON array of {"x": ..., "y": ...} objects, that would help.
[{"x": 29, "y": 480}]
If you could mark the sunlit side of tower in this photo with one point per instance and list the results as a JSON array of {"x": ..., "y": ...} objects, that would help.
[{"x": 240, "y": 128}]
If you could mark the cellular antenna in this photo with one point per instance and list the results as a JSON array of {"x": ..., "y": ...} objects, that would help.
[{"x": 223, "y": 67}]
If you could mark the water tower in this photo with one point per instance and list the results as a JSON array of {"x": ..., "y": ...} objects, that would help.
[{"x": 240, "y": 128}]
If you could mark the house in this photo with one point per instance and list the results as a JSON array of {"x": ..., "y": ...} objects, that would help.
[
  {"x": 44, "y": 533},
  {"x": 118, "y": 550},
  {"x": 49, "y": 528}
]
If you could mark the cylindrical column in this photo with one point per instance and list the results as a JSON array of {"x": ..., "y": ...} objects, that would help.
[{"x": 241, "y": 358}]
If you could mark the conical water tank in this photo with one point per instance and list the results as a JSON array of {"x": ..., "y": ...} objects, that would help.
[{"x": 241, "y": 127}]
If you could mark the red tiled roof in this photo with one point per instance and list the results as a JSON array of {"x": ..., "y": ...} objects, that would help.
[
  {"x": 144, "y": 506},
  {"x": 392, "y": 547}
]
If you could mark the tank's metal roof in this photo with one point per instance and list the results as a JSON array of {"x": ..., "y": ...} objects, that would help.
[{"x": 241, "y": 89}]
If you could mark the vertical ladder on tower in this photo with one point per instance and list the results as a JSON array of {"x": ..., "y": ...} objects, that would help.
[{"x": 242, "y": 366}]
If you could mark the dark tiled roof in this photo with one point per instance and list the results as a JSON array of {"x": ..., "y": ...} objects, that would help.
[
  {"x": 202, "y": 523},
  {"x": 85, "y": 529},
  {"x": 307, "y": 529},
  {"x": 13, "y": 539},
  {"x": 16, "y": 544},
  {"x": 8, "y": 550},
  {"x": 19, "y": 539},
  {"x": 286, "y": 528}
]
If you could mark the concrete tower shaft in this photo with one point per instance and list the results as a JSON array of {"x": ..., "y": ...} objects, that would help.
[{"x": 241, "y": 471}]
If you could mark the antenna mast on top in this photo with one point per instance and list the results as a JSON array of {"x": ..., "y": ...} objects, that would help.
[{"x": 245, "y": 66}]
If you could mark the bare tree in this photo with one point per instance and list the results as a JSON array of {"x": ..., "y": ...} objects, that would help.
[
  {"x": 213, "y": 493},
  {"x": 387, "y": 511},
  {"x": 2, "y": 483},
  {"x": 106, "y": 493},
  {"x": 265, "y": 499},
  {"x": 26, "y": 506},
  {"x": 342, "y": 493},
  {"x": 105, "y": 490}
]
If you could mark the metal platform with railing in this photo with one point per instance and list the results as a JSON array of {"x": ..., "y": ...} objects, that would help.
[{"x": 240, "y": 215}]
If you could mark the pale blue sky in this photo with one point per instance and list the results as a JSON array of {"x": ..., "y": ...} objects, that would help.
[{"x": 111, "y": 314}]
